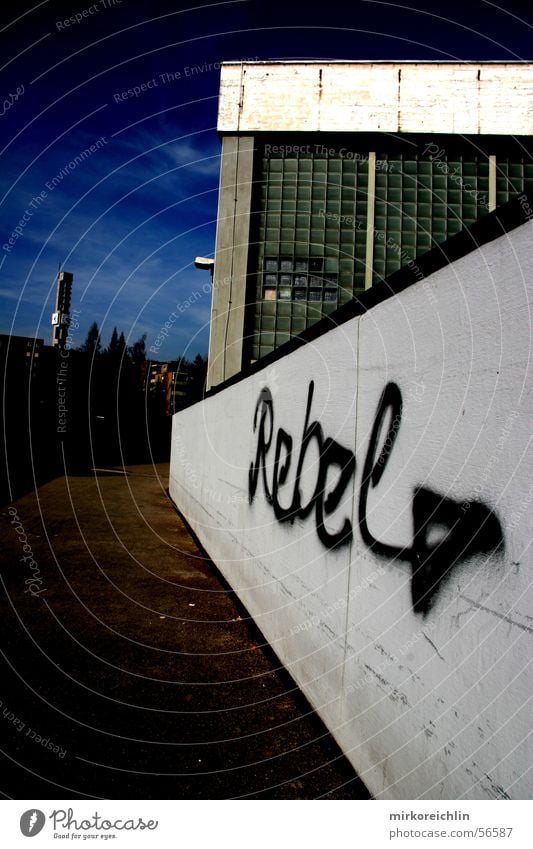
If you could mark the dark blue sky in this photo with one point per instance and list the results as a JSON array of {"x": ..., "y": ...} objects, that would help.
[{"x": 129, "y": 217}]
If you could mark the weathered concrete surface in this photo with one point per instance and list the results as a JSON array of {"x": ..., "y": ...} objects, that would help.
[
  {"x": 131, "y": 671},
  {"x": 403, "y": 97},
  {"x": 368, "y": 496}
]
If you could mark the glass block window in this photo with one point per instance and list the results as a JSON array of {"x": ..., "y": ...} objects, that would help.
[
  {"x": 311, "y": 239},
  {"x": 513, "y": 176},
  {"x": 310, "y": 223},
  {"x": 421, "y": 202}
]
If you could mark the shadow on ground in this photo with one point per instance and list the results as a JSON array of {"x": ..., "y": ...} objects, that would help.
[{"x": 130, "y": 670}]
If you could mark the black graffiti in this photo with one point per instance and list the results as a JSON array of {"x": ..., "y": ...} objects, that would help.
[
  {"x": 331, "y": 455},
  {"x": 461, "y": 534}
]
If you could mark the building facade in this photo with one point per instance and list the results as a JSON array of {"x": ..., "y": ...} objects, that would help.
[{"x": 335, "y": 175}]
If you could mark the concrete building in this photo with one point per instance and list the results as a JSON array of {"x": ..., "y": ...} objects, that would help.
[
  {"x": 336, "y": 174},
  {"x": 365, "y": 488}
]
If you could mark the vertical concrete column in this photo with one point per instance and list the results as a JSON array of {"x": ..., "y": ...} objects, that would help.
[
  {"x": 370, "y": 217},
  {"x": 231, "y": 259},
  {"x": 492, "y": 182}
]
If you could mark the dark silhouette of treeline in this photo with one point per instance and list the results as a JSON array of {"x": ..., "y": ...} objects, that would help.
[{"x": 70, "y": 410}]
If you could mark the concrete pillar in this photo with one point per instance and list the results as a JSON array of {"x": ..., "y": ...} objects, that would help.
[{"x": 231, "y": 259}]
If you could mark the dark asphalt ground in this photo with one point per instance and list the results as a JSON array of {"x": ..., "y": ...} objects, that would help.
[{"x": 129, "y": 668}]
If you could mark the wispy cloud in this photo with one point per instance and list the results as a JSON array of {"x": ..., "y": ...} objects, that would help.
[{"x": 127, "y": 221}]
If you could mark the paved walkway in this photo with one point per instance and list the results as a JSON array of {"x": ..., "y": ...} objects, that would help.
[{"x": 129, "y": 669}]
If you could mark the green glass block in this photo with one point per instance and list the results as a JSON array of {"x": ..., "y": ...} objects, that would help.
[
  {"x": 302, "y": 237},
  {"x": 274, "y": 220},
  {"x": 289, "y": 192},
  {"x": 394, "y": 200},
  {"x": 298, "y": 324},
  {"x": 409, "y": 196},
  {"x": 288, "y": 220},
  {"x": 267, "y": 338},
  {"x": 423, "y": 243},
  {"x": 345, "y": 295},
  {"x": 283, "y": 323},
  {"x": 345, "y": 265},
  {"x": 470, "y": 213},
  {"x": 287, "y": 236},
  {"x": 282, "y": 338},
  {"x": 318, "y": 218},
  {"x": 318, "y": 198},
  {"x": 470, "y": 170},
  {"x": 516, "y": 169},
  {"x": 427, "y": 210},
  {"x": 391, "y": 265},
  {"x": 410, "y": 166},
  {"x": 283, "y": 308},
  {"x": 394, "y": 180},
  {"x": 347, "y": 240},
  {"x": 394, "y": 222},
  {"x": 333, "y": 217},
  {"x": 314, "y": 312}
]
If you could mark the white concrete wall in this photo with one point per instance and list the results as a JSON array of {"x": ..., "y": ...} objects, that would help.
[
  {"x": 407, "y": 97},
  {"x": 427, "y": 694}
]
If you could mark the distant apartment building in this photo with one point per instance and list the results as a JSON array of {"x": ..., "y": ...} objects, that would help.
[
  {"x": 174, "y": 385},
  {"x": 336, "y": 174}
]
